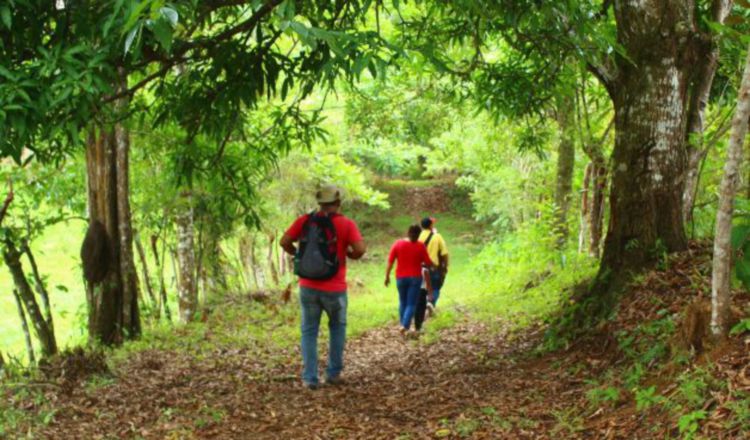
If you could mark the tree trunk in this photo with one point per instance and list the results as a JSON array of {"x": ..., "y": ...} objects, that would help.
[
  {"x": 565, "y": 164},
  {"x": 583, "y": 232},
  {"x": 130, "y": 293},
  {"x": 39, "y": 284},
  {"x": 24, "y": 294},
  {"x": 24, "y": 327},
  {"x": 258, "y": 276},
  {"x": 111, "y": 287},
  {"x": 722, "y": 261},
  {"x": 186, "y": 289},
  {"x": 597, "y": 205},
  {"x": 160, "y": 269},
  {"x": 701, "y": 91},
  {"x": 214, "y": 265},
  {"x": 147, "y": 277},
  {"x": 244, "y": 250},
  {"x": 650, "y": 96},
  {"x": 272, "y": 260}
]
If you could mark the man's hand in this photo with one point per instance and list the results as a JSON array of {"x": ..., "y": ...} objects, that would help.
[
  {"x": 287, "y": 244},
  {"x": 387, "y": 281},
  {"x": 430, "y": 297},
  {"x": 356, "y": 250}
]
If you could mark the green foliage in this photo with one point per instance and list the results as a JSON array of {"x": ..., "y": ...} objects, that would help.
[
  {"x": 694, "y": 387},
  {"x": 569, "y": 422},
  {"x": 689, "y": 423},
  {"x": 59, "y": 67},
  {"x": 645, "y": 398},
  {"x": 609, "y": 395},
  {"x": 741, "y": 327},
  {"x": 740, "y": 240}
]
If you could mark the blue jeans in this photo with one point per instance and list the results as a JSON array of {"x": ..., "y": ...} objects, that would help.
[
  {"x": 436, "y": 279},
  {"x": 408, "y": 296},
  {"x": 314, "y": 303}
]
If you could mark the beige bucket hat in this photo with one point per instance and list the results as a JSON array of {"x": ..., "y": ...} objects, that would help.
[{"x": 328, "y": 193}]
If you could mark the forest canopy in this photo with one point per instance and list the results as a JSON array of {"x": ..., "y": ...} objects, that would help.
[{"x": 154, "y": 154}]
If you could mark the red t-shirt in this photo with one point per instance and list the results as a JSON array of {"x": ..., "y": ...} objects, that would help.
[
  {"x": 346, "y": 234},
  {"x": 410, "y": 257}
]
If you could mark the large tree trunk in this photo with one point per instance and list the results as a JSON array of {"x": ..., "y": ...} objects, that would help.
[
  {"x": 107, "y": 251},
  {"x": 701, "y": 91},
  {"x": 187, "y": 292},
  {"x": 722, "y": 262},
  {"x": 565, "y": 164},
  {"x": 650, "y": 96},
  {"x": 42, "y": 330}
]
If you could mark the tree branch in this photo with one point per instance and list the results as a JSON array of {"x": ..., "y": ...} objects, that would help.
[
  {"x": 7, "y": 202},
  {"x": 603, "y": 75},
  {"x": 168, "y": 63}
]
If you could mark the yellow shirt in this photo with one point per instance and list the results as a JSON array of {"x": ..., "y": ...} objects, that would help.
[{"x": 436, "y": 246}]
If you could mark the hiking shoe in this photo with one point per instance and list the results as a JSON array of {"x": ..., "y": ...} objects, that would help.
[
  {"x": 430, "y": 309},
  {"x": 311, "y": 385},
  {"x": 335, "y": 381}
]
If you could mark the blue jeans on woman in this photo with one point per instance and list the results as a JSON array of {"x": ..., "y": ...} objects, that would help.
[
  {"x": 314, "y": 303},
  {"x": 408, "y": 296}
]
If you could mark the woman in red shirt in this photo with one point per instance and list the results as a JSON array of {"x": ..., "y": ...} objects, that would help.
[{"x": 411, "y": 255}]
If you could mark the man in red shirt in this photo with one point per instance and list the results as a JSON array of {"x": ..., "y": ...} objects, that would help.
[{"x": 325, "y": 295}]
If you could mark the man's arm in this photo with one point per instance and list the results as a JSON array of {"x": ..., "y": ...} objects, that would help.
[
  {"x": 388, "y": 273},
  {"x": 443, "y": 256},
  {"x": 357, "y": 250},
  {"x": 427, "y": 284},
  {"x": 287, "y": 244},
  {"x": 443, "y": 263},
  {"x": 391, "y": 260}
]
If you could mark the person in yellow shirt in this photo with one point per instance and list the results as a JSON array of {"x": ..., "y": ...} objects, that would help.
[{"x": 438, "y": 252}]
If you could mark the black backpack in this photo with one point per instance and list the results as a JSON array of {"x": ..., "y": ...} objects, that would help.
[{"x": 317, "y": 256}]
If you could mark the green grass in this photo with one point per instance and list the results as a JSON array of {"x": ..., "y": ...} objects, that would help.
[{"x": 56, "y": 253}]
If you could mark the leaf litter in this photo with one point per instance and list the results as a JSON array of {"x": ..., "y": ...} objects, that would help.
[{"x": 478, "y": 380}]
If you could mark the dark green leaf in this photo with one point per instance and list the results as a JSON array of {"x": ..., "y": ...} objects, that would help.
[
  {"x": 742, "y": 270},
  {"x": 163, "y": 33},
  {"x": 740, "y": 235},
  {"x": 131, "y": 38},
  {"x": 5, "y": 15}
]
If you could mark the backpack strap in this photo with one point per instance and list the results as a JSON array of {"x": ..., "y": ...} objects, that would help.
[
  {"x": 429, "y": 239},
  {"x": 305, "y": 226}
]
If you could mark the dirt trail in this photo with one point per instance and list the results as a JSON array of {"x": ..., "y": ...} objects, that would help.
[
  {"x": 476, "y": 381},
  {"x": 470, "y": 383},
  {"x": 473, "y": 383}
]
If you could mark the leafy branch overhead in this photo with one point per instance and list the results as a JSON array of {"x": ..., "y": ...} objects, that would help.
[{"x": 187, "y": 56}]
